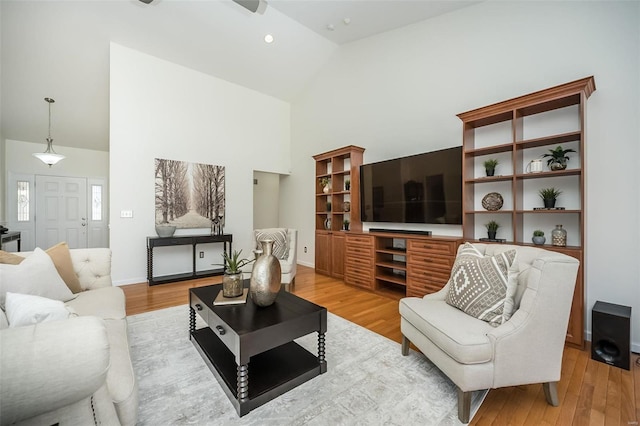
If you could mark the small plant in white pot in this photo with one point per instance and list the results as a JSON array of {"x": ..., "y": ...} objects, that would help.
[{"x": 538, "y": 237}]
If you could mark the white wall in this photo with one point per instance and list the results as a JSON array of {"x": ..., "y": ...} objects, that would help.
[
  {"x": 162, "y": 110},
  {"x": 398, "y": 94}
]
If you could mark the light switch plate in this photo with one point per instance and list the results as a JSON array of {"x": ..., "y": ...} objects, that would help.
[{"x": 126, "y": 213}]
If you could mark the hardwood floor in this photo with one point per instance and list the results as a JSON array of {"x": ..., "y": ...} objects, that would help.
[{"x": 590, "y": 392}]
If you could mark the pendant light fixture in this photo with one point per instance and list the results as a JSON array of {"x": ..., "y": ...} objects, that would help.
[{"x": 49, "y": 157}]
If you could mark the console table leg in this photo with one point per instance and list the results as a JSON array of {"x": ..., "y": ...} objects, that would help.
[{"x": 243, "y": 382}]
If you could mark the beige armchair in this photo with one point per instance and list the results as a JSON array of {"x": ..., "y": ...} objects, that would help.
[
  {"x": 525, "y": 349},
  {"x": 288, "y": 237}
]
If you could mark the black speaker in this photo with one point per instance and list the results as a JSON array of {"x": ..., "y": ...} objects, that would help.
[{"x": 611, "y": 334}]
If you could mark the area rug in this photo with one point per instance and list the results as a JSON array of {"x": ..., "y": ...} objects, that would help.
[{"x": 368, "y": 381}]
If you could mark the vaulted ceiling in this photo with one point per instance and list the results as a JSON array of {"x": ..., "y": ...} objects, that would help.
[{"x": 60, "y": 49}]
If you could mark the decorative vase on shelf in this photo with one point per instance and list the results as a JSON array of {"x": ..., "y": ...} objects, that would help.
[
  {"x": 346, "y": 206},
  {"x": 491, "y": 235},
  {"x": 326, "y": 189},
  {"x": 538, "y": 240},
  {"x": 559, "y": 236},
  {"x": 232, "y": 284},
  {"x": 265, "y": 276}
]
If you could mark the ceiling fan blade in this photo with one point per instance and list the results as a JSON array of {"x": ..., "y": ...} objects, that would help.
[{"x": 255, "y": 6}]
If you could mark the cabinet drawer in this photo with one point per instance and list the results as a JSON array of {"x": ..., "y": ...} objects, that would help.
[
  {"x": 200, "y": 308},
  {"x": 360, "y": 252},
  {"x": 219, "y": 327},
  {"x": 358, "y": 280},
  {"x": 447, "y": 248},
  {"x": 442, "y": 263},
  {"x": 361, "y": 240},
  {"x": 423, "y": 274},
  {"x": 362, "y": 271},
  {"x": 365, "y": 261},
  {"x": 419, "y": 288}
]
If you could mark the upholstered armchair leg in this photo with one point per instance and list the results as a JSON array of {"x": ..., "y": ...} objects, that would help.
[
  {"x": 464, "y": 406},
  {"x": 551, "y": 393},
  {"x": 405, "y": 345},
  {"x": 289, "y": 287}
]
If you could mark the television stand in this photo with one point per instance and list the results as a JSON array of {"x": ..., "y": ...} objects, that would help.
[{"x": 400, "y": 231}]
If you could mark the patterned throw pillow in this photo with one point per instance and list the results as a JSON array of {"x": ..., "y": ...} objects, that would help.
[
  {"x": 478, "y": 284},
  {"x": 280, "y": 244}
]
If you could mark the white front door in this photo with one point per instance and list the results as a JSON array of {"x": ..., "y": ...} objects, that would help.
[{"x": 61, "y": 211}]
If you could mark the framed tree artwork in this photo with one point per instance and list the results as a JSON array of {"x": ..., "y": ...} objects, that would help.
[{"x": 189, "y": 195}]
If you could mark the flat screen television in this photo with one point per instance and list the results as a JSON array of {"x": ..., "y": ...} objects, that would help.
[{"x": 423, "y": 188}]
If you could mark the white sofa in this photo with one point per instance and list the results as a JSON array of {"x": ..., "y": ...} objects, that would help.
[{"x": 75, "y": 371}]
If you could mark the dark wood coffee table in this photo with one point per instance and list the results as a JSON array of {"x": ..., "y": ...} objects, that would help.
[{"x": 250, "y": 349}]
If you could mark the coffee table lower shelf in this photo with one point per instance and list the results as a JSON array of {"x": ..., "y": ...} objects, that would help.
[{"x": 271, "y": 373}]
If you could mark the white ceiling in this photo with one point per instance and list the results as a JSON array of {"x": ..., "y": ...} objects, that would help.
[
  {"x": 352, "y": 20},
  {"x": 60, "y": 49}
]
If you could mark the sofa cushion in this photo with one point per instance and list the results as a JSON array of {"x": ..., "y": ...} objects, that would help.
[
  {"x": 280, "y": 242},
  {"x": 106, "y": 303},
  {"x": 478, "y": 284},
  {"x": 25, "y": 309},
  {"x": 461, "y": 336},
  {"x": 35, "y": 275},
  {"x": 10, "y": 258},
  {"x": 62, "y": 260}
]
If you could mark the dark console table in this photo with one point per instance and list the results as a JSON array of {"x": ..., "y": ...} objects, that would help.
[
  {"x": 10, "y": 236},
  {"x": 192, "y": 240}
]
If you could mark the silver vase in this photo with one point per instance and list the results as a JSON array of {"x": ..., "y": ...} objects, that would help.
[{"x": 265, "y": 276}]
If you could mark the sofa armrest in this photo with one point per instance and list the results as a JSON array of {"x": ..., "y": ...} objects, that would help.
[{"x": 50, "y": 365}]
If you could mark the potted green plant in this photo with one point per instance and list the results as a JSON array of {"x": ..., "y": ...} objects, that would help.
[
  {"x": 538, "y": 237},
  {"x": 558, "y": 158},
  {"x": 347, "y": 184},
  {"x": 346, "y": 223},
  {"x": 492, "y": 229},
  {"x": 328, "y": 206},
  {"x": 490, "y": 166},
  {"x": 549, "y": 196},
  {"x": 232, "y": 279},
  {"x": 325, "y": 184}
]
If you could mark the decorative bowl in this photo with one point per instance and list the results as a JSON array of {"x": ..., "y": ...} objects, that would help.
[
  {"x": 492, "y": 201},
  {"x": 165, "y": 231}
]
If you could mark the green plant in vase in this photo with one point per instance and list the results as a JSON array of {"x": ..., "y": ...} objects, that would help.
[
  {"x": 345, "y": 224},
  {"x": 558, "y": 158},
  {"x": 232, "y": 279},
  {"x": 347, "y": 185},
  {"x": 328, "y": 206},
  {"x": 538, "y": 237},
  {"x": 549, "y": 196},
  {"x": 492, "y": 229},
  {"x": 325, "y": 184},
  {"x": 490, "y": 166}
]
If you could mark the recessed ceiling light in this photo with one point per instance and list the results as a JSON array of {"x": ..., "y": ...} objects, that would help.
[
  {"x": 268, "y": 38},
  {"x": 331, "y": 27},
  {"x": 346, "y": 21}
]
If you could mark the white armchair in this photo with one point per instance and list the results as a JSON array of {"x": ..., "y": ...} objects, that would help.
[
  {"x": 288, "y": 237},
  {"x": 525, "y": 349}
]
